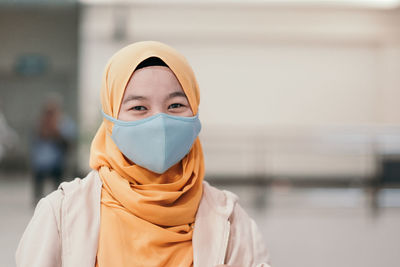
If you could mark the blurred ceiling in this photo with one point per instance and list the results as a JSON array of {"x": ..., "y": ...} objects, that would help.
[{"x": 377, "y": 4}]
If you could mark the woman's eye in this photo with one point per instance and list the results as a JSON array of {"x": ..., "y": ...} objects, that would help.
[
  {"x": 139, "y": 108},
  {"x": 175, "y": 105}
]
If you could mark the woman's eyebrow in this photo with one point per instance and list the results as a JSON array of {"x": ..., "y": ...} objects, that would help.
[
  {"x": 175, "y": 94},
  {"x": 133, "y": 97}
]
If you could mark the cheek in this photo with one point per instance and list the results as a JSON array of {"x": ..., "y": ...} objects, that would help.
[
  {"x": 188, "y": 113},
  {"x": 125, "y": 115}
]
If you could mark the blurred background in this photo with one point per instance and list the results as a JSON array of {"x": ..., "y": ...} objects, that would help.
[{"x": 300, "y": 109}]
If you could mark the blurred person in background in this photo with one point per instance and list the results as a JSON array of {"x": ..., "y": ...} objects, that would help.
[
  {"x": 53, "y": 135},
  {"x": 145, "y": 202}
]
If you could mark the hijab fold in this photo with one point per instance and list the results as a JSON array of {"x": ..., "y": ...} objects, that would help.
[{"x": 147, "y": 219}]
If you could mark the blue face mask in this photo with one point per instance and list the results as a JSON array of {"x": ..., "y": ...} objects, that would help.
[{"x": 157, "y": 142}]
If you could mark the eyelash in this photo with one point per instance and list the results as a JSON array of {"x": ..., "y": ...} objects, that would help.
[
  {"x": 180, "y": 105},
  {"x": 138, "y": 108},
  {"x": 143, "y": 108}
]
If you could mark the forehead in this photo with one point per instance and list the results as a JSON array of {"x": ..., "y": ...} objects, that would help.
[{"x": 153, "y": 79}]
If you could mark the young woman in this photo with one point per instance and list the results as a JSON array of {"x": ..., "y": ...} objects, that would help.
[{"x": 145, "y": 202}]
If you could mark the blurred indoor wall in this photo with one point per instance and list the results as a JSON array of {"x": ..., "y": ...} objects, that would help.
[{"x": 286, "y": 89}]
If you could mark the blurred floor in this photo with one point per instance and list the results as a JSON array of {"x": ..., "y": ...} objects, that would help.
[
  {"x": 15, "y": 210},
  {"x": 326, "y": 227},
  {"x": 301, "y": 227}
]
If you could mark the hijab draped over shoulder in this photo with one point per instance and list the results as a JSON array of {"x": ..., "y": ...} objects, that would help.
[{"x": 147, "y": 219}]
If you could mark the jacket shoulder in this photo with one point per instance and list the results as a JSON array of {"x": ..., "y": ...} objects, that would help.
[
  {"x": 44, "y": 238},
  {"x": 79, "y": 183},
  {"x": 70, "y": 186},
  {"x": 55, "y": 198},
  {"x": 222, "y": 201},
  {"x": 245, "y": 246},
  {"x": 40, "y": 244}
]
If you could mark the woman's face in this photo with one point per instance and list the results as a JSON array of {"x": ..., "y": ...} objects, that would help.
[{"x": 153, "y": 90}]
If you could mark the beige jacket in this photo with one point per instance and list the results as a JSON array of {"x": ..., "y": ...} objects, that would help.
[{"x": 65, "y": 227}]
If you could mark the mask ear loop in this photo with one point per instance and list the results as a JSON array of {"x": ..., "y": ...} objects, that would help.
[{"x": 108, "y": 117}]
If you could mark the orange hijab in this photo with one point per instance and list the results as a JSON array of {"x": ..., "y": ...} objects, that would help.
[{"x": 146, "y": 218}]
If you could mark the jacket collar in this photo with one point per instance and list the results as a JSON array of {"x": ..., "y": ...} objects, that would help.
[{"x": 212, "y": 226}]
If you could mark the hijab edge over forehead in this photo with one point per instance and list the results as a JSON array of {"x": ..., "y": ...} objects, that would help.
[{"x": 122, "y": 65}]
